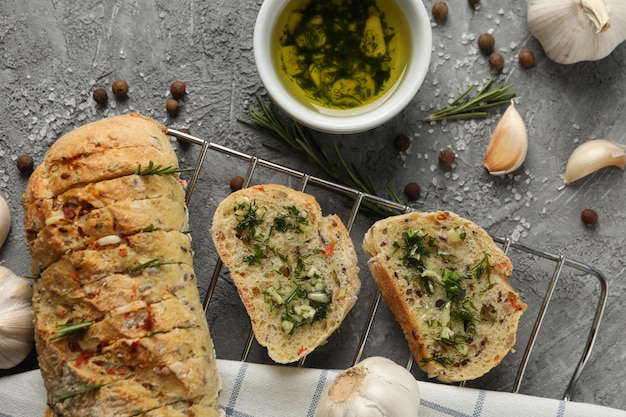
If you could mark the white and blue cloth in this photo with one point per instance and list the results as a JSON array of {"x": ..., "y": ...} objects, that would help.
[{"x": 253, "y": 390}]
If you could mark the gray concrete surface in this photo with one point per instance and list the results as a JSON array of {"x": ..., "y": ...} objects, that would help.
[{"x": 54, "y": 53}]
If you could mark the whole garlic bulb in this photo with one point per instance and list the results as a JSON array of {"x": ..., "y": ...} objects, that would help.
[
  {"x": 571, "y": 31},
  {"x": 5, "y": 220},
  {"x": 16, "y": 321},
  {"x": 375, "y": 387}
]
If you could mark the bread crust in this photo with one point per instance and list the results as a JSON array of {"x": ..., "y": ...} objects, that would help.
[
  {"x": 450, "y": 292},
  {"x": 113, "y": 256},
  {"x": 105, "y": 149},
  {"x": 284, "y": 265}
]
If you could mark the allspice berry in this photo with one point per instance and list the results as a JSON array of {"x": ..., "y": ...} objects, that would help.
[
  {"x": 446, "y": 157},
  {"x": 178, "y": 89},
  {"x": 402, "y": 143},
  {"x": 589, "y": 216},
  {"x": 496, "y": 61},
  {"x": 119, "y": 88},
  {"x": 236, "y": 183},
  {"x": 25, "y": 164},
  {"x": 440, "y": 10},
  {"x": 100, "y": 96},
  {"x": 171, "y": 106},
  {"x": 486, "y": 42},
  {"x": 412, "y": 191},
  {"x": 527, "y": 59},
  {"x": 473, "y": 2}
]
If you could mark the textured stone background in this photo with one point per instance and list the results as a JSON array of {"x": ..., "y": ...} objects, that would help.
[{"x": 54, "y": 53}]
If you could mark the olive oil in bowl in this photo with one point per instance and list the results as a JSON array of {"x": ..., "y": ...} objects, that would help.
[{"x": 341, "y": 56}]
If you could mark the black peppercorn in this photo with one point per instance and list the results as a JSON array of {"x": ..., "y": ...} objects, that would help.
[
  {"x": 402, "y": 143},
  {"x": 178, "y": 89},
  {"x": 100, "y": 96},
  {"x": 25, "y": 164},
  {"x": 236, "y": 183},
  {"x": 473, "y": 2},
  {"x": 589, "y": 216},
  {"x": 120, "y": 88},
  {"x": 446, "y": 157},
  {"x": 172, "y": 107},
  {"x": 412, "y": 191}
]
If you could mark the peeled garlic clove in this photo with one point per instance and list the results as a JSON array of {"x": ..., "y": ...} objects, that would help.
[
  {"x": 5, "y": 220},
  {"x": 509, "y": 144},
  {"x": 571, "y": 31},
  {"x": 591, "y": 156}
]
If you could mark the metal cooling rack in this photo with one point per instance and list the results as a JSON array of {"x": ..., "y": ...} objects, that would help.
[{"x": 560, "y": 261}]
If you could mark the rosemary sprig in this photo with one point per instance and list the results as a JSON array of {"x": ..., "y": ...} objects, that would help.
[
  {"x": 69, "y": 328},
  {"x": 153, "y": 169},
  {"x": 464, "y": 107},
  {"x": 151, "y": 263},
  {"x": 84, "y": 389},
  {"x": 299, "y": 140},
  {"x": 34, "y": 276}
]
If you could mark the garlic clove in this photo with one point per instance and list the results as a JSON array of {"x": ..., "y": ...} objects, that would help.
[
  {"x": 5, "y": 220},
  {"x": 374, "y": 387},
  {"x": 509, "y": 144},
  {"x": 16, "y": 321},
  {"x": 571, "y": 31},
  {"x": 591, "y": 156}
]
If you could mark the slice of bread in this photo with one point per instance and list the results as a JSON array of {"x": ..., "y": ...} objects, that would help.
[
  {"x": 295, "y": 270},
  {"x": 447, "y": 284}
]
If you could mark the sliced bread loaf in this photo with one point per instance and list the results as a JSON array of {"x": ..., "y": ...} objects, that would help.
[
  {"x": 295, "y": 270},
  {"x": 447, "y": 284}
]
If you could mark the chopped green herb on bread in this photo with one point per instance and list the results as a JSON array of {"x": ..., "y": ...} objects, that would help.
[
  {"x": 446, "y": 282},
  {"x": 295, "y": 270}
]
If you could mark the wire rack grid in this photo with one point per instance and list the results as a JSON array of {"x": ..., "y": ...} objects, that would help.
[{"x": 358, "y": 199}]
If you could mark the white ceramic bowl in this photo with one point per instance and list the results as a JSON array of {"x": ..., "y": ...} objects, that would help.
[{"x": 345, "y": 121}]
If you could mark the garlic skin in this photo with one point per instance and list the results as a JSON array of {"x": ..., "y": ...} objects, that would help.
[
  {"x": 571, "y": 31},
  {"x": 509, "y": 144},
  {"x": 375, "y": 387},
  {"x": 5, "y": 220},
  {"x": 16, "y": 320},
  {"x": 591, "y": 156}
]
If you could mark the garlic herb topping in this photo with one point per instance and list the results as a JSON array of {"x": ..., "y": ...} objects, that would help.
[
  {"x": 303, "y": 298},
  {"x": 449, "y": 292}
]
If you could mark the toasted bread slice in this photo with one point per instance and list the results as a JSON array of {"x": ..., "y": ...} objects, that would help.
[
  {"x": 295, "y": 270},
  {"x": 447, "y": 284}
]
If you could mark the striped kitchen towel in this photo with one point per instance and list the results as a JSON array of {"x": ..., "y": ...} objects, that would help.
[{"x": 253, "y": 390}]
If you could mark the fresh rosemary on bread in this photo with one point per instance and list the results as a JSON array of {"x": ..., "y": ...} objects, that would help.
[
  {"x": 295, "y": 270},
  {"x": 446, "y": 282}
]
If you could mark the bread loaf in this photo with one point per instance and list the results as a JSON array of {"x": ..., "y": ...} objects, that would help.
[
  {"x": 446, "y": 282},
  {"x": 119, "y": 327},
  {"x": 295, "y": 270}
]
